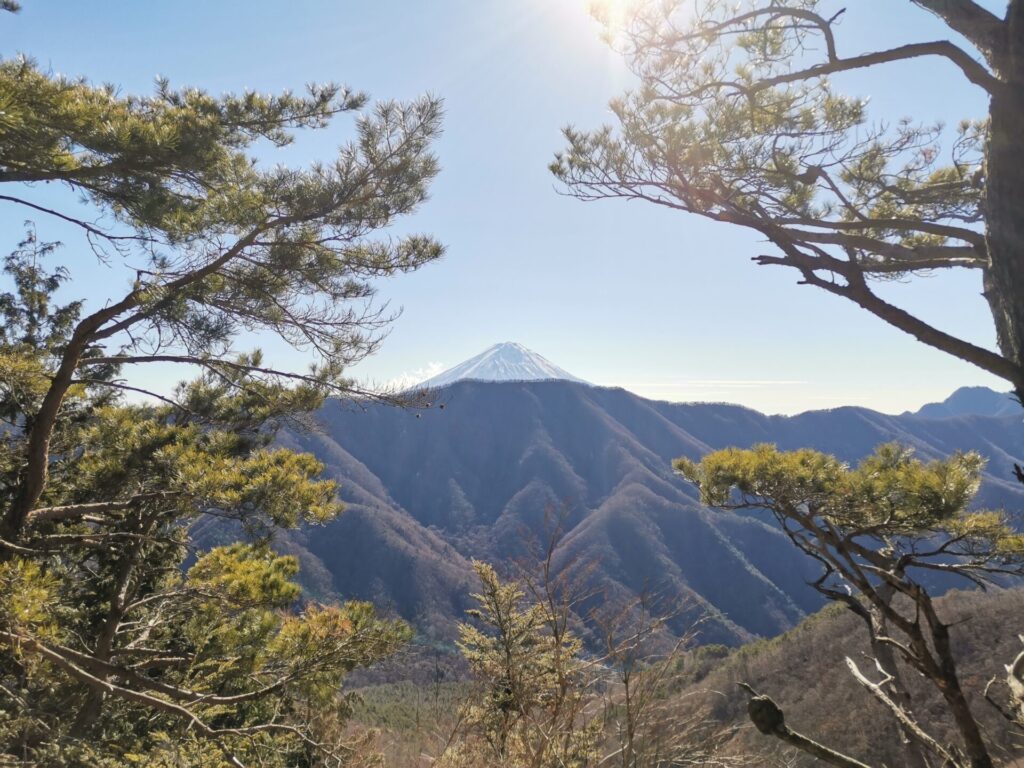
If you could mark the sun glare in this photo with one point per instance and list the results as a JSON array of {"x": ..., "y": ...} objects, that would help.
[{"x": 613, "y": 14}]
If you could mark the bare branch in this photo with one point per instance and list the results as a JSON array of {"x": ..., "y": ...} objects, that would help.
[
  {"x": 856, "y": 289},
  {"x": 90, "y": 228},
  {"x": 985, "y": 30},
  {"x": 910, "y": 725},
  {"x": 71, "y": 511},
  {"x": 770, "y": 720},
  {"x": 972, "y": 70}
]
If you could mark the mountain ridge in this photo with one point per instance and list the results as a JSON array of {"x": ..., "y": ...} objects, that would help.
[
  {"x": 966, "y": 401},
  {"x": 512, "y": 361},
  {"x": 429, "y": 491}
]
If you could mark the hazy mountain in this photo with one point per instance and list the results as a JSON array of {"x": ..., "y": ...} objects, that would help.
[
  {"x": 507, "y": 361},
  {"x": 972, "y": 401},
  {"x": 429, "y": 490}
]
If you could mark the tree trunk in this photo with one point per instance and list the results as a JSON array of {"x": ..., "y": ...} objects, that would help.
[
  {"x": 92, "y": 708},
  {"x": 33, "y": 478},
  {"x": 948, "y": 682},
  {"x": 913, "y": 751},
  {"x": 1004, "y": 195},
  {"x": 974, "y": 744}
]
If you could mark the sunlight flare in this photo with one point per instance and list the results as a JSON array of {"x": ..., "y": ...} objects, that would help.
[{"x": 614, "y": 15}]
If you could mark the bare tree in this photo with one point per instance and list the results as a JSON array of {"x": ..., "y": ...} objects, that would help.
[
  {"x": 542, "y": 699},
  {"x": 641, "y": 670}
]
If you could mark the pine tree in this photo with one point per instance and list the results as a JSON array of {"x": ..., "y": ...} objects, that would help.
[
  {"x": 119, "y": 642},
  {"x": 879, "y": 530},
  {"x": 736, "y": 119},
  {"x": 110, "y": 652},
  {"x": 529, "y": 707}
]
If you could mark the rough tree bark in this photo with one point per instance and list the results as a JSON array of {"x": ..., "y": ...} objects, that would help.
[{"x": 1004, "y": 191}]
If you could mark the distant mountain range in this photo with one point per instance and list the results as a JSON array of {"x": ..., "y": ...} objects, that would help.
[
  {"x": 429, "y": 490},
  {"x": 511, "y": 361},
  {"x": 972, "y": 401}
]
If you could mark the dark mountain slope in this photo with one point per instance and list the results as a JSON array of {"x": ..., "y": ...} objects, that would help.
[
  {"x": 377, "y": 551},
  {"x": 428, "y": 490},
  {"x": 646, "y": 543}
]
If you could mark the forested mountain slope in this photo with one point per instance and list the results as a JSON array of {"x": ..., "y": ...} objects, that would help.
[
  {"x": 429, "y": 490},
  {"x": 804, "y": 673}
]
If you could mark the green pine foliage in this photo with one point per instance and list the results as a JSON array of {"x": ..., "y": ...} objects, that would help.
[
  {"x": 880, "y": 531},
  {"x": 120, "y": 644},
  {"x": 529, "y": 707},
  {"x": 112, "y": 653},
  {"x": 887, "y": 497},
  {"x": 738, "y": 117}
]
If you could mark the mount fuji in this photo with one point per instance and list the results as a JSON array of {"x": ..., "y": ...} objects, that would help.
[{"x": 507, "y": 361}]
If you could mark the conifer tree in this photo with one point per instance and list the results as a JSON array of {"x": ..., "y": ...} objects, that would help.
[
  {"x": 119, "y": 642},
  {"x": 879, "y": 530},
  {"x": 530, "y": 710},
  {"x": 737, "y": 119}
]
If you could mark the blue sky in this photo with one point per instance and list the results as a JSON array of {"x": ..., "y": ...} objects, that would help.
[{"x": 619, "y": 293}]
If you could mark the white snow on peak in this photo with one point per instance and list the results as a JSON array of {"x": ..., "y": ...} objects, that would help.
[{"x": 507, "y": 361}]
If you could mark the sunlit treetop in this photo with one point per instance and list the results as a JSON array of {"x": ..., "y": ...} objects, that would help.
[{"x": 908, "y": 510}]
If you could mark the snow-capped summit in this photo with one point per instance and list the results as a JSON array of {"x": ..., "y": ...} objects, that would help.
[{"x": 503, "y": 362}]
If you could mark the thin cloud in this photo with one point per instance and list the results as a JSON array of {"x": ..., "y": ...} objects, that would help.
[
  {"x": 417, "y": 376},
  {"x": 715, "y": 383}
]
